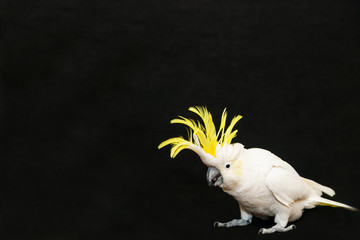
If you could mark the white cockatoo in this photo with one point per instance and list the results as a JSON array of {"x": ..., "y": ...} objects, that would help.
[{"x": 263, "y": 184}]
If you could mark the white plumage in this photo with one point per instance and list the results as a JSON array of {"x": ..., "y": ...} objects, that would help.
[
  {"x": 270, "y": 187},
  {"x": 263, "y": 184}
]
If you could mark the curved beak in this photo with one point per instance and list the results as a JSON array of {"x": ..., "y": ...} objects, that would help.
[{"x": 213, "y": 177}]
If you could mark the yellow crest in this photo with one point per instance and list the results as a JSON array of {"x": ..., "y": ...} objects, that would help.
[{"x": 202, "y": 135}]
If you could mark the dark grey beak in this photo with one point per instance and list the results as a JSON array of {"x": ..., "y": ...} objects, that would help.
[{"x": 213, "y": 177}]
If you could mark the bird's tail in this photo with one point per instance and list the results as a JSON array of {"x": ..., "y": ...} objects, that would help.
[
  {"x": 326, "y": 202},
  {"x": 318, "y": 200},
  {"x": 318, "y": 188}
]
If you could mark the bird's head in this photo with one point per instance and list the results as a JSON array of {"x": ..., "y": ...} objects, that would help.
[{"x": 213, "y": 147}]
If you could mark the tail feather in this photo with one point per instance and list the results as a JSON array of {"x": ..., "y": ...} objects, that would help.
[
  {"x": 319, "y": 189},
  {"x": 326, "y": 202}
]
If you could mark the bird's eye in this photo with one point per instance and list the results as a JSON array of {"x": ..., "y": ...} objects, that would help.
[{"x": 227, "y": 165}]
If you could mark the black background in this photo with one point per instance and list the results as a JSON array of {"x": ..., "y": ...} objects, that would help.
[{"x": 92, "y": 85}]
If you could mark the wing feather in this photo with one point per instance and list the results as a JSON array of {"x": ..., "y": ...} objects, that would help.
[{"x": 286, "y": 185}]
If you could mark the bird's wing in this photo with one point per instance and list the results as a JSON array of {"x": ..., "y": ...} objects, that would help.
[{"x": 285, "y": 184}]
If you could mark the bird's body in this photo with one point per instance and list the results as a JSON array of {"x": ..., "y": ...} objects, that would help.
[
  {"x": 250, "y": 189},
  {"x": 268, "y": 186},
  {"x": 263, "y": 184}
]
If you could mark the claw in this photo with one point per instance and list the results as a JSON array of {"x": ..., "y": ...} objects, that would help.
[
  {"x": 232, "y": 223},
  {"x": 276, "y": 228}
]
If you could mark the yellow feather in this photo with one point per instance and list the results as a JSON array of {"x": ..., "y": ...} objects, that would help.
[
  {"x": 208, "y": 138},
  {"x": 222, "y": 127},
  {"x": 204, "y": 141},
  {"x": 222, "y": 124},
  {"x": 178, "y": 143},
  {"x": 188, "y": 122},
  {"x": 167, "y": 142},
  {"x": 204, "y": 134},
  {"x": 177, "y": 148},
  {"x": 228, "y": 134}
]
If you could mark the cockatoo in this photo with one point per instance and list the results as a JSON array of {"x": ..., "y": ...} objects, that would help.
[{"x": 262, "y": 184}]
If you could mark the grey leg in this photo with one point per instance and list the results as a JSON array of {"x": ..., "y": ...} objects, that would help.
[
  {"x": 246, "y": 219},
  {"x": 276, "y": 228},
  {"x": 233, "y": 223},
  {"x": 281, "y": 221}
]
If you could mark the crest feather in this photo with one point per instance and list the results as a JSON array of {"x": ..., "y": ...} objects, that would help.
[{"x": 205, "y": 134}]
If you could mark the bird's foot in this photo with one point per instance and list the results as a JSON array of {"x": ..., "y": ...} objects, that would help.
[
  {"x": 276, "y": 228},
  {"x": 233, "y": 223}
]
